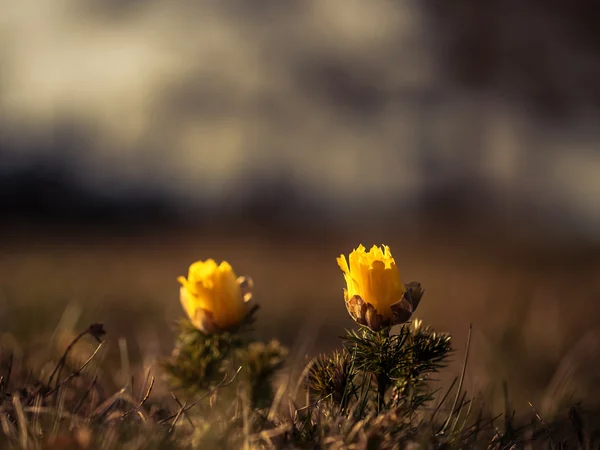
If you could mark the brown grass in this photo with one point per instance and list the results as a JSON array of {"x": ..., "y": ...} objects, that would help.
[{"x": 530, "y": 301}]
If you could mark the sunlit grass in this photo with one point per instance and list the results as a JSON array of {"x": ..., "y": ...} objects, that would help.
[{"x": 524, "y": 332}]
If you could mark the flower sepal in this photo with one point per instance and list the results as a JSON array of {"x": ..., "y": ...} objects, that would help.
[{"x": 364, "y": 313}]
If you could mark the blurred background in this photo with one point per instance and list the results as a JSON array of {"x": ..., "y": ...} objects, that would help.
[{"x": 139, "y": 136}]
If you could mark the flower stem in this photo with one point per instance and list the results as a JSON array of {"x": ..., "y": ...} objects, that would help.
[{"x": 383, "y": 382}]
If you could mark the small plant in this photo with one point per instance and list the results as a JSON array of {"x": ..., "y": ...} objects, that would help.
[
  {"x": 376, "y": 387},
  {"x": 214, "y": 343},
  {"x": 375, "y": 392}
]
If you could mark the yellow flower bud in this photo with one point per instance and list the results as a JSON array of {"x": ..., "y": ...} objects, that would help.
[
  {"x": 213, "y": 297},
  {"x": 375, "y": 295}
]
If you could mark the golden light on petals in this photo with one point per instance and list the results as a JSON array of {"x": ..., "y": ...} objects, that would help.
[
  {"x": 375, "y": 295},
  {"x": 213, "y": 297}
]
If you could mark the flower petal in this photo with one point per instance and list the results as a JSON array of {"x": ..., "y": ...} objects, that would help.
[
  {"x": 211, "y": 296},
  {"x": 341, "y": 260},
  {"x": 203, "y": 320}
]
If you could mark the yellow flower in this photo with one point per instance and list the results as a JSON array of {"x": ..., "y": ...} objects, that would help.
[
  {"x": 213, "y": 297},
  {"x": 375, "y": 295}
]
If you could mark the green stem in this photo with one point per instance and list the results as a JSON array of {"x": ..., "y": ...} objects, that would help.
[
  {"x": 383, "y": 382},
  {"x": 383, "y": 379}
]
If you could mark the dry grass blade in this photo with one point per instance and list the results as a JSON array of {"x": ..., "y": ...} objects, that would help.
[
  {"x": 39, "y": 410},
  {"x": 76, "y": 372},
  {"x": 86, "y": 394},
  {"x": 441, "y": 403},
  {"x": 21, "y": 421},
  {"x": 459, "y": 410},
  {"x": 222, "y": 383},
  {"x": 277, "y": 398},
  {"x": 184, "y": 412},
  {"x": 172, "y": 416},
  {"x": 35, "y": 424},
  {"x": 181, "y": 411},
  {"x": 302, "y": 377},
  {"x": 460, "y": 384},
  {"x": 544, "y": 425},
  {"x": 63, "y": 359},
  {"x": 478, "y": 426},
  {"x": 468, "y": 414},
  {"x": 148, "y": 377},
  {"x": 59, "y": 412},
  {"x": 105, "y": 405},
  {"x": 7, "y": 427},
  {"x": 96, "y": 330},
  {"x": 282, "y": 389},
  {"x": 142, "y": 401}
]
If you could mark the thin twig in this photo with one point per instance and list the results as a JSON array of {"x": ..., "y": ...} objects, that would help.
[
  {"x": 105, "y": 406},
  {"x": 148, "y": 375},
  {"x": 177, "y": 416},
  {"x": 166, "y": 419},
  {"x": 184, "y": 413},
  {"x": 223, "y": 383},
  {"x": 96, "y": 330},
  {"x": 63, "y": 359},
  {"x": 141, "y": 403},
  {"x": 86, "y": 394},
  {"x": 76, "y": 372}
]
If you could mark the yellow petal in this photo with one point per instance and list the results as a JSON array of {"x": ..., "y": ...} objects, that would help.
[
  {"x": 191, "y": 303},
  {"x": 225, "y": 267},
  {"x": 214, "y": 291},
  {"x": 356, "y": 258},
  {"x": 343, "y": 264},
  {"x": 375, "y": 253},
  {"x": 229, "y": 307},
  {"x": 202, "y": 270},
  {"x": 204, "y": 322},
  {"x": 374, "y": 277},
  {"x": 380, "y": 288}
]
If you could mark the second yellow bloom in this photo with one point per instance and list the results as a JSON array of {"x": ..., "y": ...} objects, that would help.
[{"x": 213, "y": 296}]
